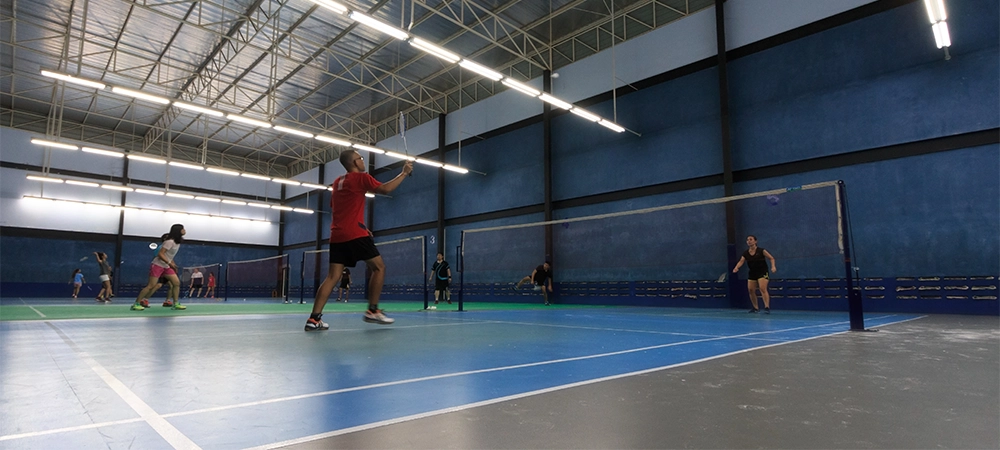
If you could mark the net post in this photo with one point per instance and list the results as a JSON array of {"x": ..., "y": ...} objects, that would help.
[
  {"x": 225, "y": 285},
  {"x": 423, "y": 266},
  {"x": 461, "y": 274},
  {"x": 302, "y": 279},
  {"x": 854, "y": 303}
]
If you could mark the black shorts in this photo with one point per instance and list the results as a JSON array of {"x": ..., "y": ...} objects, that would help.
[
  {"x": 350, "y": 252},
  {"x": 344, "y": 284},
  {"x": 754, "y": 276},
  {"x": 196, "y": 286},
  {"x": 441, "y": 285}
]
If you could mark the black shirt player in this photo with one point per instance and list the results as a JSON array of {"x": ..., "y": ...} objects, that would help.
[
  {"x": 441, "y": 275},
  {"x": 755, "y": 257},
  {"x": 541, "y": 277}
]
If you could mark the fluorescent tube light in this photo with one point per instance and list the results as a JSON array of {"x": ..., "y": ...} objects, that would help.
[
  {"x": 303, "y": 210},
  {"x": 429, "y": 162},
  {"x": 313, "y": 186},
  {"x": 455, "y": 168},
  {"x": 282, "y": 208},
  {"x": 208, "y": 199},
  {"x": 284, "y": 181},
  {"x": 258, "y": 205},
  {"x": 332, "y": 6},
  {"x": 555, "y": 101},
  {"x": 521, "y": 87},
  {"x": 399, "y": 156},
  {"x": 482, "y": 70},
  {"x": 255, "y": 176},
  {"x": 368, "y": 149},
  {"x": 147, "y": 159},
  {"x": 74, "y": 80},
  {"x": 186, "y": 166},
  {"x": 333, "y": 141},
  {"x": 941, "y": 36},
  {"x": 935, "y": 11},
  {"x": 249, "y": 121},
  {"x": 614, "y": 126},
  {"x": 234, "y": 202},
  {"x": 176, "y": 195},
  {"x": 82, "y": 183},
  {"x": 45, "y": 143},
  {"x": 293, "y": 131},
  {"x": 45, "y": 179},
  {"x": 103, "y": 152},
  {"x": 114, "y": 187},
  {"x": 148, "y": 191},
  {"x": 140, "y": 95},
  {"x": 435, "y": 50},
  {"x": 378, "y": 25},
  {"x": 586, "y": 115},
  {"x": 223, "y": 171},
  {"x": 369, "y": 195},
  {"x": 200, "y": 109}
]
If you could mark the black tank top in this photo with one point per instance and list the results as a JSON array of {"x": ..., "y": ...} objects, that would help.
[{"x": 756, "y": 262}]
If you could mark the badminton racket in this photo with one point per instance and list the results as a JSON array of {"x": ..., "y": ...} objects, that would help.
[{"x": 402, "y": 134}]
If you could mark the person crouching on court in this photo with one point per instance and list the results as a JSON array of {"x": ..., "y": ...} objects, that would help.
[
  {"x": 757, "y": 279},
  {"x": 350, "y": 240},
  {"x": 163, "y": 265},
  {"x": 541, "y": 277}
]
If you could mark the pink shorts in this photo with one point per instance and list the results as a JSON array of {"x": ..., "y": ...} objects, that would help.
[{"x": 156, "y": 271}]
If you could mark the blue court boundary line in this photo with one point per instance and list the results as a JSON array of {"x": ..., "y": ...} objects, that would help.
[{"x": 751, "y": 335}]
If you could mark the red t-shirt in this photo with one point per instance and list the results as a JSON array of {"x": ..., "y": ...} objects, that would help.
[{"x": 348, "y": 206}]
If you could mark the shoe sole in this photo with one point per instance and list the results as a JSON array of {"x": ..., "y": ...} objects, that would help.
[{"x": 379, "y": 322}]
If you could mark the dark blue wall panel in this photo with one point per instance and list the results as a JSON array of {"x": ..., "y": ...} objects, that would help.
[
  {"x": 679, "y": 124},
  {"x": 514, "y": 177},
  {"x": 872, "y": 83}
]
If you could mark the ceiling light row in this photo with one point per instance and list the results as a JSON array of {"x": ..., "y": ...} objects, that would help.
[
  {"x": 118, "y": 187},
  {"x": 469, "y": 65},
  {"x": 132, "y": 208},
  {"x": 216, "y": 113}
]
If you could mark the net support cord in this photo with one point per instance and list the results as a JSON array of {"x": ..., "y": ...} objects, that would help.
[{"x": 659, "y": 208}]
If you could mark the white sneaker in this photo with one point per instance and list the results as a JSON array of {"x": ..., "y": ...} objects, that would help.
[
  {"x": 377, "y": 317},
  {"x": 316, "y": 324}
]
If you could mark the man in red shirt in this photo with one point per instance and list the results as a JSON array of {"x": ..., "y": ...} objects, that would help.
[{"x": 350, "y": 240}]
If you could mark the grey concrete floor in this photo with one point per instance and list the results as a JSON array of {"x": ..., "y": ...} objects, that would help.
[{"x": 929, "y": 383}]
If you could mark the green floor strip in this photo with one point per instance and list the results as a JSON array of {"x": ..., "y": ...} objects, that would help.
[{"x": 121, "y": 310}]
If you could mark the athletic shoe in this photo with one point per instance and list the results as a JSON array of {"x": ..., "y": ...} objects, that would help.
[
  {"x": 168, "y": 304},
  {"x": 316, "y": 324},
  {"x": 377, "y": 317},
  {"x": 436, "y": 302},
  {"x": 767, "y": 310},
  {"x": 753, "y": 311},
  {"x": 99, "y": 299},
  {"x": 449, "y": 302},
  {"x": 137, "y": 307},
  {"x": 180, "y": 306},
  {"x": 145, "y": 303},
  {"x": 547, "y": 303}
]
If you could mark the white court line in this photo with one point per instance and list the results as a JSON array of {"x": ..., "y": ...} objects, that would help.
[
  {"x": 369, "y": 426},
  {"x": 172, "y": 435},
  {"x": 32, "y": 307},
  {"x": 459, "y": 374}
]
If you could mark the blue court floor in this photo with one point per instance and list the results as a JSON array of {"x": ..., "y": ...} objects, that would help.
[{"x": 229, "y": 382}]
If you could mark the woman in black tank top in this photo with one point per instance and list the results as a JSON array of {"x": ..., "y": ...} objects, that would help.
[{"x": 756, "y": 259}]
